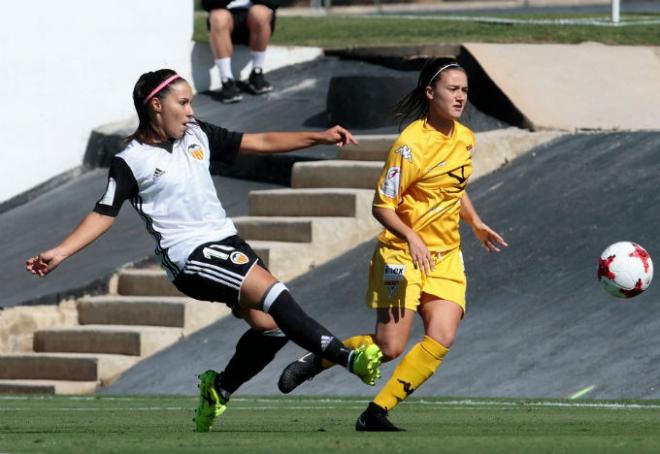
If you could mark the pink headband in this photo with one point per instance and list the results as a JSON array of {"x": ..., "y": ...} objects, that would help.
[{"x": 162, "y": 85}]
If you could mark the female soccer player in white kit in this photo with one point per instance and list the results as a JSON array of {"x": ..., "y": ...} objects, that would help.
[{"x": 164, "y": 172}]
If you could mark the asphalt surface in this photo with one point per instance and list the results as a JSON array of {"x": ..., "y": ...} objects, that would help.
[{"x": 538, "y": 323}]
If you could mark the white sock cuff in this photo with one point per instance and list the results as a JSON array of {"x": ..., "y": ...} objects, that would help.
[
  {"x": 258, "y": 58},
  {"x": 224, "y": 66},
  {"x": 272, "y": 294}
]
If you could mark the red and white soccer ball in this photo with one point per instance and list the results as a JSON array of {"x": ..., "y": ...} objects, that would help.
[{"x": 625, "y": 269}]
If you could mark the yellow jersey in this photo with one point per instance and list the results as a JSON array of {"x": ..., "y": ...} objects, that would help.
[{"x": 423, "y": 180}]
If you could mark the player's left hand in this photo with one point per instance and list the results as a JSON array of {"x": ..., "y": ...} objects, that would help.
[
  {"x": 338, "y": 136},
  {"x": 489, "y": 238}
]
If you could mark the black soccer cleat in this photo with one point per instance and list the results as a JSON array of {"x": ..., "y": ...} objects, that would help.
[
  {"x": 299, "y": 371},
  {"x": 374, "y": 419}
]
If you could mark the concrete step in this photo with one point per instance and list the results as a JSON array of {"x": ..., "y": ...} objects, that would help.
[
  {"x": 336, "y": 174},
  {"x": 145, "y": 282},
  {"x": 112, "y": 339},
  {"x": 369, "y": 148},
  {"x": 292, "y": 229},
  {"x": 47, "y": 387},
  {"x": 100, "y": 368},
  {"x": 290, "y": 260},
  {"x": 311, "y": 202},
  {"x": 177, "y": 312}
]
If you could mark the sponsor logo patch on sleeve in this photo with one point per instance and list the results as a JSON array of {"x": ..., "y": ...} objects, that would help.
[{"x": 390, "y": 187}]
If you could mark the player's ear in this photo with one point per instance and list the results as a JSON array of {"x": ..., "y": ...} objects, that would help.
[
  {"x": 428, "y": 91},
  {"x": 156, "y": 105}
]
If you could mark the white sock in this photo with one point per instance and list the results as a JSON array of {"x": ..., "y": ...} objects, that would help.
[
  {"x": 224, "y": 66},
  {"x": 258, "y": 58}
]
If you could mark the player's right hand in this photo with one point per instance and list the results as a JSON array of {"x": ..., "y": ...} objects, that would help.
[
  {"x": 422, "y": 258},
  {"x": 45, "y": 262}
]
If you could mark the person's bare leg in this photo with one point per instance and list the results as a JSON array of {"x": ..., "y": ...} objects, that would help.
[{"x": 222, "y": 24}]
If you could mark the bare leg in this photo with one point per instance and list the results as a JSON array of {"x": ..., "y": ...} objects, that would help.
[
  {"x": 258, "y": 22},
  {"x": 222, "y": 24}
]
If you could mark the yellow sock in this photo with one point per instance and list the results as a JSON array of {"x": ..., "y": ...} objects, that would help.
[
  {"x": 414, "y": 369},
  {"x": 352, "y": 343}
]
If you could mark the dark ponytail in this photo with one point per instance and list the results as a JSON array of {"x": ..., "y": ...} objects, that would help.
[
  {"x": 414, "y": 105},
  {"x": 143, "y": 87}
]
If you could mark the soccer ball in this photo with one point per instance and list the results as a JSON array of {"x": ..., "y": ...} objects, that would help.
[{"x": 625, "y": 269}]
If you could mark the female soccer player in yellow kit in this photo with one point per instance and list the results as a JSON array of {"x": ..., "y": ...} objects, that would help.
[{"x": 417, "y": 265}]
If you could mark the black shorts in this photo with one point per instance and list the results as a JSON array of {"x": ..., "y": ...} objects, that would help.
[
  {"x": 241, "y": 34},
  {"x": 215, "y": 271}
]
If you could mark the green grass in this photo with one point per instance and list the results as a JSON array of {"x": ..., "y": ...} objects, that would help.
[
  {"x": 341, "y": 32},
  {"x": 304, "y": 425}
]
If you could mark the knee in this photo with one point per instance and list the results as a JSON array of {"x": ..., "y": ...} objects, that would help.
[
  {"x": 259, "y": 15},
  {"x": 445, "y": 338},
  {"x": 220, "y": 19},
  {"x": 391, "y": 349}
]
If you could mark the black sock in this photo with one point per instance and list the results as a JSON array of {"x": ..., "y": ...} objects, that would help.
[
  {"x": 301, "y": 328},
  {"x": 254, "y": 351}
]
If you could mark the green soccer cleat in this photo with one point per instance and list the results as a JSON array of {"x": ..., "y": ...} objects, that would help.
[
  {"x": 366, "y": 363},
  {"x": 210, "y": 404}
]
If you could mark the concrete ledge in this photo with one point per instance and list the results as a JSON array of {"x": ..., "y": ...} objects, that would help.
[
  {"x": 336, "y": 174},
  {"x": 290, "y": 260},
  {"x": 298, "y": 230},
  {"x": 205, "y": 74},
  {"x": 145, "y": 282},
  {"x": 64, "y": 366},
  {"x": 47, "y": 387},
  {"x": 113, "y": 339},
  {"x": 368, "y": 148},
  {"x": 310, "y": 202},
  {"x": 185, "y": 313},
  {"x": 589, "y": 86}
]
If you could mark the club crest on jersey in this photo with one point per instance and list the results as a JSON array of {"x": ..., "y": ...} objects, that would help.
[
  {"x": 405, "y": 152},
  {"x": 196, "y": 151},
  {"x": 469, "y": 148},
  {"x": 393, "y": 275},
  {"x": 239, "y": 258},
  {"x": 390, "y": 187}
]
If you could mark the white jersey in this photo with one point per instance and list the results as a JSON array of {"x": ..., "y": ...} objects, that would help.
[{"x": 170, "y": 186}]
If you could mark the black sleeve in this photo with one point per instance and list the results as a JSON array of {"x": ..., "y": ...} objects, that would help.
[
  {"x": 224, "y": 144},
  {"x": 121, "y": 186}
]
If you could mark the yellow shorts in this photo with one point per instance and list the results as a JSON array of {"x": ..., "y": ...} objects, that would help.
[{"x": 395, "y": 282}]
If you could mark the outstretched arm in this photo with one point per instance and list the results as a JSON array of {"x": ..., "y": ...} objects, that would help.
[
  {"x": 92, "y": 226},
  {"x": 280, "y": 142},
  {"x": 489, "y": 238}
]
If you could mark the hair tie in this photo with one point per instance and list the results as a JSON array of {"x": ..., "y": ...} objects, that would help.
[{"x": 162, "y": 85}]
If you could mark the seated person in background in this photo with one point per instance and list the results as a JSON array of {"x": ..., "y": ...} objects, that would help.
[{"x": 249, "y": 22}]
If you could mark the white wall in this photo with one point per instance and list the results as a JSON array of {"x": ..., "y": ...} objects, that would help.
[{"x": 68, "y": 66}]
